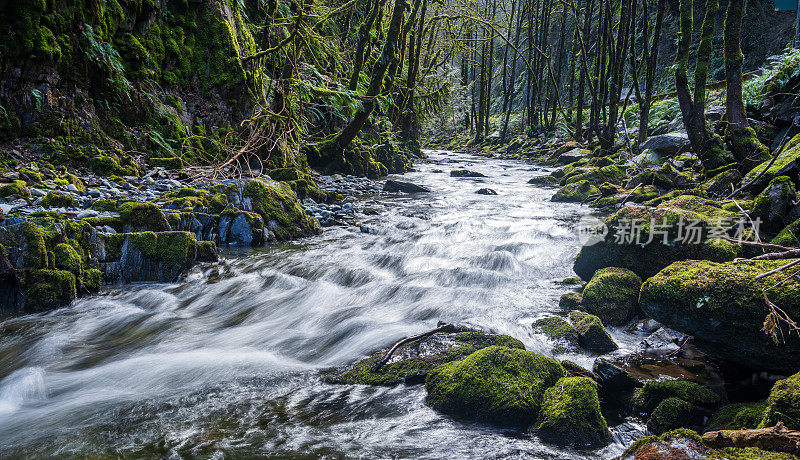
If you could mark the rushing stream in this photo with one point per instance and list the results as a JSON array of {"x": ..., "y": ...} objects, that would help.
[{"x": 228, "y": 364}]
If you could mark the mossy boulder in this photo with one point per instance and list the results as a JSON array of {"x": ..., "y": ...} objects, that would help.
[
  {"x": 681, "y": 444},
  {"x": 25, "y": 243},
  {"x": 673, "y": 413},
  {"x": 783, "y": 404},
  {"x": 722, "y": 306},
  {"x": 570, "y": 414},
  {"x": 560, "y": 331},
  {"x": 277, "y": 204},
  {"x": 786, "y": 164},
  {"x": 612, "y": 173},
  {"x": 46, "y": 289},
  {"x": 149, "y": 256},
  {"x": 141, "y": 217},
  {"x": 57, "y": 200},
  {"x": 774, "y": 203},
  {"x": 633, "y": 242},
  {"x": 570, "y": 301},
  {"x": 412, "y": 363},
  {"x": 592, "y": 335},
  {"x": 495, "y": 384},
  {"x": 612, "y": 295},
  {"x": 738, "y": 416},
  {"x": 648, "y": 397},
  {"x": 14, "y": 188},
  {"x": 576, "y": 192},
  {"x": 789, "y": 236}
]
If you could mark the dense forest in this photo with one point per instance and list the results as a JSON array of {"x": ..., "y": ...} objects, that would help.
[{"x": 228, "y": 230}]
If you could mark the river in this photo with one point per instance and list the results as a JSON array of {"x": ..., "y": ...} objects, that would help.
[{"x": 228, "y": 363}]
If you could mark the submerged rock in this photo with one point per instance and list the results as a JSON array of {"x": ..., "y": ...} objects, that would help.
[
  {"x": 570, "y": 414},
  {"x": 722, "y": 306},
  {"x": 496, "y": 384},
  {"x": 560, "y": 331},
  {"x": 485, "y": 191},
  {"x": 465, "y": 173},
  {"x": 612, "y": 295},
  {"x": 413, "y": 361}
]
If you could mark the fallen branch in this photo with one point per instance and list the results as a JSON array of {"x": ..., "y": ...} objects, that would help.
[
  {"x": 757, "y": 244},
  {"x": 779, "y": 269},
  {"x": 774, "y": 439},
  {"x": 779, "y": 255},
  {"x": 382, "y": 362}
]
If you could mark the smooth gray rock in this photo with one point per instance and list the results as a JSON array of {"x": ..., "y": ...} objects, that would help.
[{"x": 394, "y": 186}]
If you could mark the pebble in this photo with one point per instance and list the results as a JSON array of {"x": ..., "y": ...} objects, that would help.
[{"x": 87, "y": 213}]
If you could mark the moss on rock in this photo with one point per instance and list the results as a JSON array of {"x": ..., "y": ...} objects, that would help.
[
  {"x": 570, "y": 414},
  {"x": 570, "y": 301},
  {"x": 612, "y": 295},
  {"x": 577, "y": 192},
  {"x": 142, "y": 216},
  {"x": 722, "y": 306},
  {"x": 17, "y": 187},
  {"x": 592, "y": 335},
  {"x": 278, "y": 206},
  {"x": 738, "y": 416},
  {"x": 496, "y": 384},
  {"x": 654, "y": 392},
  {"x": 57, "y": 200},
  {"x": 47, "y": 289},
  {"x": 783, "y": 404},
  {"x": 673, "y": 413}
]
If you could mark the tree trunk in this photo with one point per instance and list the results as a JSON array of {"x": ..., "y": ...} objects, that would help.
[{"x": 650, "y": 73}]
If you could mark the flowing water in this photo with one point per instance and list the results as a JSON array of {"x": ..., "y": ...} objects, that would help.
[{"x": 228, "y": 363}]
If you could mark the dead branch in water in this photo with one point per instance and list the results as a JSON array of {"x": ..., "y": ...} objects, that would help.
[
  {"x": 774, "y": 439},
  {"x": 382, "y": 362}
]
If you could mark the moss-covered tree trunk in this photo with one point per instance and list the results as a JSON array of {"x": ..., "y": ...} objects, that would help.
[
  {"x": 704, "y": 141},
  {"x": 388, "y": 55},
  {"x": 745, "y": 146},
  {"x": 651, "y": 59}
]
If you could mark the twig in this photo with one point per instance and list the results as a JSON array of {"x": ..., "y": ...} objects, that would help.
[
  {"x": 757, "y": 244},
  {"x": 779, "y": 255},
  {"x": 777, "y": 270},
  {"x": 382, "y": 362}
]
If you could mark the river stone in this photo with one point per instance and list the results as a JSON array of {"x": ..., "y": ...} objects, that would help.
[
  {"x": 485, "y": 191},
  {"x": 570, "y": 414},
  {"x": 560, "y": 331},
  {"x": 613, "y": 380},
  {"x": 465, "y": 173},
  {"x": 394, "y": 186},
  {"x": 674, "y": 413},
  {"x": 495, "y": 384},
  {"x": 722, "y": 306},
  {"x": 411, "y": 363},
  {"x": 592, "y": 335},
  {"x": 783, "y": 404},
  {"x": 668, "y": 144},
  {"x": 576, "y": 192},
  {"x": 612, "y": 295}
]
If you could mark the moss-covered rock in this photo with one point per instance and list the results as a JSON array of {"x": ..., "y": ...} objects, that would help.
[
  {"x": 46, "y": 289},
  {"x": 592, "y": 335},
  {"x": 611, "y": 173},
  {"x": 612, "y": 295},
  {"x": 789, "y": 236},
  {"x": 570, "y": 414},
  {"x": 576, "y": 192},
  {"x": 141, "y": 217},
  {"x": 495, "y": 384},
  {"x": 738, "y": 416},
  {"x": 783, "y": 404},
  {"x": 14, "y": 188},
  {"x": 673, "y": 413},
  {"x": 654, "y": 392},
  {"x": 207, "y": 251},
  {"x": 628, "y": 243},
  {"x": 105, "y": 205},
  {"x": 774, "y": 203},
  {"x": 560, "y": 331},
  {"x": 722, "y": 306},
  {"x": 570, "y": 301},
  {"x": 57, "y": 200},
  {"x": 277, "y": 204},
  {"x": 786, "y": 164},
  {"x": 676, "y": 444},
  {"x": 411, "y": 364}
]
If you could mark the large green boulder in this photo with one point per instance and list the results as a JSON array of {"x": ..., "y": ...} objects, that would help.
[
  {"x": 627, "y": 243},
  {"x": 737, "y": 416},
  {"x": 576, "y": 192},
  {"x": 612, "y": 295},
  {"x": 789, "y": 236},
  {"x": 674, "y": 413},
  {"x": 723, "y": 307},
  {"x": 277, "y": 204},
  {"x": 654, "y": 392},
  {"x": 783, "y": 404},
  {"x": 786, "y": 164},
  {"x": 411, "y": 364},
  {"x": 774, "y": 203},
  {"x": 570, "y": 414},
  {"x": 495, "y": 384},
  {"x": 142, "y": 217}
]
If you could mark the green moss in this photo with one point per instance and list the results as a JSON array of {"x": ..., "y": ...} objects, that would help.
[
  {"x": 217, "y": 203},
  {"x": 497, "y": 384},
  {"x": 612, "y": 295},
  {"x": 15, "y": 188},
  {"x": 673, "y": 413},
  {"x": 774, "y": 202},
  {"x": 37, "y": 250},
  {"x": 570, "y": 301},
  {"x": 105, "y": 205},
  {"x": 67, "y": 258},
  {"x": 166, "y": 163},
  {"x": 592, "y": 335},
  {"x": 737, "y": 416},
  {"x": 48, "y": 289},
  {"x": 746, "y": 453},
  {"x": 278, "y": 206},
  {"x": 57, "y": 200},
  {"x": 576, "y": 192},
  {"x": 207, "y": 251},
  {"x": 559, "y": 330},
  {"x": 783, "y": 404},
  {"x": 90, "y": 280},
  {"x": 574, "y": 369},
  {"x": 789, "y": 236},
  {"x": 177, "y": 249},
  {"x": 104, "y": 165},
  {"x": 138, "y": 216},
  {"x": 30, "y": 176},
  {"x": 610, "y": 173},
  {"x": 570, "y": 414},
  {"x": 680, "y": 433},
  {"x": 654, "y": 392},
  {"x": 146, "y": 243},
  {"x": 413, "y": 369}
]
